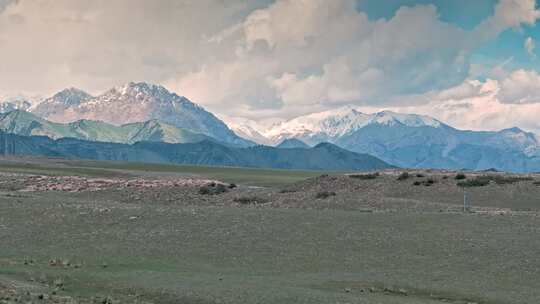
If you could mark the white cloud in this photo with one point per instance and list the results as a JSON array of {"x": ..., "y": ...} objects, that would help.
[
  {"x": 508, "y": 14},
  {"x": 47, "y": 45},
  {"x": 300, "y": 53},
  {"x": 521, "y": 86},
  {"x": 529, "y": 46},
  {"x": 246, "y": 58},
  {"x": 477, "y": 105}
]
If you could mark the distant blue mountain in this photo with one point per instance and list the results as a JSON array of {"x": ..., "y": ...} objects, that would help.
[
  {"x": 292, "y": 143},
  {"x": 415, "y": 141},
  {"x": 210, "y": 153}
]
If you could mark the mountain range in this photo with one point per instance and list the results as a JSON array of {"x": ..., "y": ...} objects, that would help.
[
  {"x": 133, "y": 103},
  {"x": 27, "y": 124},
  {"x": 413, "y": 141},
  {"x": 141, "y": 112},
  {"x": 321, "y": 157}
]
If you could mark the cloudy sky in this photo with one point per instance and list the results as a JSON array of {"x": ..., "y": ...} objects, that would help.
[{"x": 473, "y": 64}]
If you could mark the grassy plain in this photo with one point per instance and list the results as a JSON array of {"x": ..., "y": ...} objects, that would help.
[{"x": 175, "y": 246}]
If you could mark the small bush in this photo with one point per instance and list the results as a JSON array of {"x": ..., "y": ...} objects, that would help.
[
  {"x": 250, "y": 200},
  {"x": 420, "y": 175},
  {"x": 484, "y": 180},
  {"x": 460, "y": 176},
  {"x": 212, "y": 189},
  {"x": 58, "y": 283},
  {"x": 476, "y": 182},
  {"x": 324, "y": 194},
  {"x": 403, "y": 176},
  {"x": 503, "y": 180},
  {"x": 232, "y": 186},
  {"x": 366, "y": 176},
  {"x": 288, "y": 190},
  {"x": 429, "y": 182},
  {"x": 426, "y": 183}
]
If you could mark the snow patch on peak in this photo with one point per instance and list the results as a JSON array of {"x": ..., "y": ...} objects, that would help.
[
  {"x": 71, "y": 96},
  {"x": 333, "y": 123},
  {"x": 246, "y": 128},
  {"x": 18, "y": 102},
  {"x": 410, "y": 120},
  {"x": 346, "y": 120}
]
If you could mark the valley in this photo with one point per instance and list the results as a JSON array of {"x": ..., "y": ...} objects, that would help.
[{"x": 269, "y": 152}]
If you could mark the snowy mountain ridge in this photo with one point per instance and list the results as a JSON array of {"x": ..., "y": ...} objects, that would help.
[
  {"x": 336, "y": 123},
  {"x": 132, "y": 103}
]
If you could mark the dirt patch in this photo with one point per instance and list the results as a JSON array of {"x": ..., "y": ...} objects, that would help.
[{"x": 41, "y": 183}]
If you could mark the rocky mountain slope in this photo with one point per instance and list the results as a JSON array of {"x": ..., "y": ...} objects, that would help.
[
  {"x": 416, "y": 141},
  {"x": 27, "y": 124},
  {"x": 18, "y": 102},
  {"x": 136, "y": 102},
  {"x": 291, "y": 143}
]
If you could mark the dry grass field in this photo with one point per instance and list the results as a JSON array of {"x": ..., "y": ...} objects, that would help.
[{"x": 90, "y": 232}]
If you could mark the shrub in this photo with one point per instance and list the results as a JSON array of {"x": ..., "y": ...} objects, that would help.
[
  {"x": 287, "y": 190},
  {"x": 417, "y": 183},
  {"x": 503, "y": 180},
  {"x": 232, "y": 186},
  {"x": 484, "y": 180},
  {"x": 403, "y": 176},
  {"x": 419, "y": 175},
  {"x": 212, "y": 189},
  {"x": 366, "y": 176},
  {"x": 480, "y": 181},
  {"x": 250, "y": 200},
  {"x": 429, "y": 182},
  {"x": 324, "y": 194},
  {"x": 460, "y": 176}
]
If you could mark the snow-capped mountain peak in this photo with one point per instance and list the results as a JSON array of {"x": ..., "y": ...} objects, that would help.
[
  {"x": 326, "y": 125},
  {"x": 410, "y": 120},
  {"x": 142, "y": 89},
  {"x": 515, "y": 138},
  {"x": 136, "y": 102},
  {"x": 333, "y": 123},
  {"x": 18, "y": 102},
  {"x": 70, "y": 96}
]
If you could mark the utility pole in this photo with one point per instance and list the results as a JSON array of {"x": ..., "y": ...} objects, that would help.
[{"x": 466, "y": 204}]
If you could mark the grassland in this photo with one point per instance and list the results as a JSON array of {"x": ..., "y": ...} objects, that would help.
[
  {"x": 173, "y": 245},
  {"x": 246, "y": 176}
]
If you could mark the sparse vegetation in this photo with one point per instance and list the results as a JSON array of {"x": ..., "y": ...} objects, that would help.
[
  {"x": 185, "y": 247},
  {"x": 460, "y": 176},
  {"x": 429, "y": 182},
  {"x": 420, "y": 175},
  {"x": 475, "y": 182},
  {"x": 288, "y": 190},
  {"x": 251, "y": 200},
  {"x": 324, "y": 194},
  {"x": 366, "y": 176},
  {"x": 213, "y": 189},
  {"x": 484, "y": 180},
  {"x": 503, "y": 180},
  {"x": 403, "y": 176}
]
